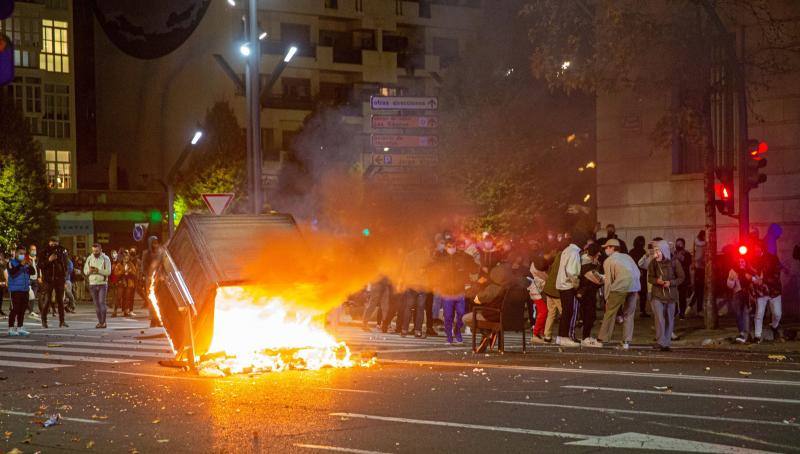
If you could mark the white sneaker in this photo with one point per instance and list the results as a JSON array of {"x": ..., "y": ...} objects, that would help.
[
  {"x": 467, "y": 331},
  {"x": 591, "y": 342},
  {"x": 12, "y": 332},
  {"x": 566, "y": 342},
  {"x": 537, "y": 340},
  {"x": 626, "y": 345},
  {"x": 131, "y": 314},
  {"x": 35, "y": 315},
  {"x": 23, "y": 332}
]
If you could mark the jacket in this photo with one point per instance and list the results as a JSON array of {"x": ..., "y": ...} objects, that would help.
[
  {"x": 500, "y": 280},
  {"x": 450, "y": 273},
  {"x": 552, "y": 275},
  {"x": 19, "y": 276},
  {"x": 55, "y": 271},
  {"x": 569, "y": 268},
  {"x": 668, "y": 269},
  {"x": 103, "y": 265},
  {"x": 621, "y": 274}
]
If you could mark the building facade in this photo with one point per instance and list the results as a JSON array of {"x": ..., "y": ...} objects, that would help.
[
  {"x": 348, "y": 50},
  {"x": 654, "y": 191}
]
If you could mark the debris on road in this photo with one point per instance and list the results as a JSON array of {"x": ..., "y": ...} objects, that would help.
[
  {"x": 745, "y": 373},
  {"x": 54, "y": 345},
  {"x": 663, "y": 388},
  {"x": 52, "y": 420},
  {"x": 777, "y": 357}
]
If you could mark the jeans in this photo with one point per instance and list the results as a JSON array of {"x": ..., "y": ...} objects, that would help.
[
  {"x": 19, "y": 303},
  {"x": 453, "y": 304},
  {"x": 643, "y": 292},
  {"x": 761, "y": 307},
  {"x": 378, "y": 297},
  {"x": 742, "y": 312},
  {"x": 99, "y": 293},
  {"x": 664, "y": 315},
  {"x": 416, "y": 301},
  {"x": 615, "y": 302},
  {"x": 436, "y": 310}
]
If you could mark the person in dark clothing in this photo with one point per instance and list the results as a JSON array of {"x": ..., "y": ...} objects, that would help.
[
  {"x": 590, "y": 282},
  {"x": 684, "y": 257},
  {"x": 151, "y": 258},
  {"x": 699, "y": 266},
  {"x": 636, "y": 254},
  {"x": 611, "y": 233},
  {"x": 450, "y": 274},
  {"x": 54, "y": 267},
  {"x": 3, "y": 283}
]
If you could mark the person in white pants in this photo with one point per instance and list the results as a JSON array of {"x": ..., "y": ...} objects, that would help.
[{"x": 766, "y": 290}]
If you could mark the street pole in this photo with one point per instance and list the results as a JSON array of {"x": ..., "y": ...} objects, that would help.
[
  {"x": 744, "y": 190},
  {"x": 254, "y": 108},
  {"x": 171, "y": 208}
]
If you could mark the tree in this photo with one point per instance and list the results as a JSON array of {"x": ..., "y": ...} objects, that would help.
[
  {"x": 510, "y": 146},
  {"x": 217, "y": 164},
  {"x": 25, "y": 214},
  {"x": 661, "y": 47}
]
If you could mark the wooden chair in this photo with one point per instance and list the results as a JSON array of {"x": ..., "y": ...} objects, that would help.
[{"x": 492, "y": 332}]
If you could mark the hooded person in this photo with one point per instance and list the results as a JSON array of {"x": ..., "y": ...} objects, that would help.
[
  {"x": 699, "y": 267},
  {"x": 636, "y": 254},
  {"x": 665, "y": 274},
  {"x": 500, "y": 279}
]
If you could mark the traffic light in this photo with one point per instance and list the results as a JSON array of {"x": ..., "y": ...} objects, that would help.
[
  {"x": 756, "y": 149},
  {"x": 6, "y": 60},
  {"x": 724, "y": 190},
  {"x": 742, "y": 250}
]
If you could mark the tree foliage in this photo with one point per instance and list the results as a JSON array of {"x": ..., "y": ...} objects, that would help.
[
  {"x": 25, "y": 214},
  {"x": 216, "y": 164},
  {"x": 509, "y": 145}
]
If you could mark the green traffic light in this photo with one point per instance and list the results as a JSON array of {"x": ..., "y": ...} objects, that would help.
[
  {"x": 156, "y": 216},
  {"x": 365, "y": 232}
]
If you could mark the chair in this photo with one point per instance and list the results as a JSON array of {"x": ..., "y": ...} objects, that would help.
[{"x": 493, "y": 331}]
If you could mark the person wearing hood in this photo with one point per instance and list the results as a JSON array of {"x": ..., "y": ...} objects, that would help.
[
  {"x": 451, "y": 273},
  {"x": 637, "y": 253},
  {"x": 567, "y": 282},
  {"x": 665, "y": 274},
  {"x": 500, "y": 279},
  {"x": 699, "y": 267}
]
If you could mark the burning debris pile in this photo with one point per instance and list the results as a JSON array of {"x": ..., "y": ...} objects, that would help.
[{"x": 256, "y": 333}]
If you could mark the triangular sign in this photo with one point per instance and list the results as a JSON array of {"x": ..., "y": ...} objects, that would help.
[{"x": 218, "y": 203}]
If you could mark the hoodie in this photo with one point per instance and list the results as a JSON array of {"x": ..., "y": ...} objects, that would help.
[
  {"x": 668, "y": 269},
  {"x": 771, "y": 238},
  {"x": 699, "y": 254},
  {"x": 569, "y": 269}
]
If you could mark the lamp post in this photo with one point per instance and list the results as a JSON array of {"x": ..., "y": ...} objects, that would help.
[{"x": 171, "y": 178}]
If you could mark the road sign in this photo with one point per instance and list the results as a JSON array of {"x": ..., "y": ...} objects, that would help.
[
  {"x": 397, "y": 122},
  {"x": 218, "y": 203},
  {"x": 102, "y": 237},
  {"x": 403, "y": 141},
  {"x": 139, "y": 229},
  {"x": 404, "y": 103},
  {"x": 402, "y": 160}
]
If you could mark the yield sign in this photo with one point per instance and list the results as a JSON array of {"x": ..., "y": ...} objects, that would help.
[{"x": 218, "y": 203}]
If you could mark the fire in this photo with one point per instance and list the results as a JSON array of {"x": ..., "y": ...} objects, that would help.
[{"x": 255, "y": 332}]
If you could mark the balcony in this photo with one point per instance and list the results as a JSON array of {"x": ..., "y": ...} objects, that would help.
[
  {"x": 347, "y": 55},
  {"x": 271, "y": 47},
  {"x": 289, "y": 103}
]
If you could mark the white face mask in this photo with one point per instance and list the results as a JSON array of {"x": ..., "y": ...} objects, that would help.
[{"x": 451, "y": 250}]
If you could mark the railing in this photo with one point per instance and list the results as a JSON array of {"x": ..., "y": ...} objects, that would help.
[{"x": 347, "y": 55}]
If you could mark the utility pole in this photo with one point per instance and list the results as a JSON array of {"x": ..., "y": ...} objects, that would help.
[
  {"x": 254, "y": 109},
  {"x": 744, "y": 185}
]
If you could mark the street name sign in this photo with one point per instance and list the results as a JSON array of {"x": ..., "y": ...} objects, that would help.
[
  {"x": 403, "y": 141},
  {"x": 218, "y": 203},
  {"x": 402, "y": 160},
  {"x": 404, "y": 103},
  {"x": 409, "y": 122}
]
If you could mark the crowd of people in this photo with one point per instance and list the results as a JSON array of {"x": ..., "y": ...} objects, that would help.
[
  {"x": 566, "y": 278},
  {"x": 51, "y": 283}
]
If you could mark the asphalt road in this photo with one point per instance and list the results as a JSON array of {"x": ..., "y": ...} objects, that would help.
[{"x": 421, "y": 397}]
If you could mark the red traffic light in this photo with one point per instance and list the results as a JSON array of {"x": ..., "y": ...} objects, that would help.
[
  {"x": 743, "y": 250},
  {"x": 725, "y": 194},
  {"x": 756, "y": 148}
]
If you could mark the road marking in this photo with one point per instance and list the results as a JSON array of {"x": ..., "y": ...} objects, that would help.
[
  {"x": 56, "y": 356},
  {"x": 30, "y": 365},
  {"x": 552, "y": 351},
  {"x": 515, "y": 430},
  {"x": 650, "y": 413},
  {"x": 118, "y": 345},
  {"x": 361, "y": 391},
  {"x": 169, "y": 377},
  {"x": 727, "y": 435},
  {"x": 784, "y": 370},
  {"x": 337, "y": 449},
  {"x": 409, "y": 350},
  {"x": 65, "y": 418},
  {"x": 14, "y": 340},
  {"x": 84, "y": 350},
  {"x": 625, "y": 440},
  {"x": 673, "y": 393},
  {"x": 592, "y": 372}
]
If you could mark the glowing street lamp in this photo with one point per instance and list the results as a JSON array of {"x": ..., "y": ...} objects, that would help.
[
  {"x": 197, "y": 136},
  {"x": 290, "y": 54},
  {"x": 173, "y": 172},
  {"x": 244, "y": 49}
]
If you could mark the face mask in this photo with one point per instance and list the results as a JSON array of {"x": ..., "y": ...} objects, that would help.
[
  {"x": 488, "y": 245},
  {"x": 33, "y": 253},
  {"x": 21, "y": 257},
  {"x": 451, "y": 250},
  {"x": 678, "y": 247},
  {"x": 440, "y": 247}
]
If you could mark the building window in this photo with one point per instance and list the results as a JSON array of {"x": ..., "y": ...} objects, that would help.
[
  {"x": 398, "y": 7},
  {"x": 24, "y": 33},
  {"x": 332, "y": 4},
  {"x": 360, "y": 6},
  {"x": 388, "y": 91},
  {"x": 268, "y": 149},
  {"x": 296, "y": 88},
  {"x": 56, "y": 121},
  {"x": 55, "y": 46},
  {"x": 59, "y": 169}
]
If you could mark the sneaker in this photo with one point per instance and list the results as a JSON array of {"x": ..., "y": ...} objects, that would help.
[
  {"x": 418, "y": 334},
  {"x": 756, "y": 340},
  {"x": 591, "y": 342},
  {"x": 98, "y": 326},
  {"x": 103, "y": 326},
  {"x": 13, "y": 332},
  {"x": 626, "y": 345},
  {"x": 537, "y": 340},
  {"x": 44, "y": 323},
  {"x": 741, "y": 339},
  {"x": 620, "y": 319},
  {"x": 131, "y": 314},
  {"x": 403, "y": 334},
  {"x": 776, "y": 334},
  {"x": 458, "y": 342},
  {"x": 467, "y": 331},
  {"x": 548, "y": 340},
  {"x": 34, "y": 315},
  {"x": 674, "y": 337},
  {"x": 664, "y": 348},
  {"x": 23, "y": 332},
  {"x": 63, "y": 325},
  {"x": 566, "y": 342}
]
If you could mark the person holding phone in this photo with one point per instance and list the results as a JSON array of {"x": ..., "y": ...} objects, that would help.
[
  {"x": 18, "y": 274},
  {"x": 97, "y": 270}
]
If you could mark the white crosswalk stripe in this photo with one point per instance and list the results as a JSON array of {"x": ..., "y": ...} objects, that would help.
[
  {"x": 58, "y": 350},
  {"x": 78, "y": 358}
]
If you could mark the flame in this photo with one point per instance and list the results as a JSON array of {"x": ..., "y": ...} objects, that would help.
[
  {"x": 255, "y": 332},
  {"x": 151, "y": 294}
]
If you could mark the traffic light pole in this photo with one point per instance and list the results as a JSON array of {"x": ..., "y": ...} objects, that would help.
[
  {"x": 744, "y": 184},
  {"x": 254, "y": 108}
]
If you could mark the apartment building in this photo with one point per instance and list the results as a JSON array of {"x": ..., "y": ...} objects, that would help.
[
  {"x": 44, "y": 83},
  {"x": 348, "y": 50}
]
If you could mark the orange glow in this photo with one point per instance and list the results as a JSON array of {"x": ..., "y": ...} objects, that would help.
[
  {"x": 151, "y": 293},
  {"x": 262, "y": 333}
]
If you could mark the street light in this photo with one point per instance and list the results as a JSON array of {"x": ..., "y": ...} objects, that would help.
[
  {"x": 290, "y": 54},
  {"x": 244, "y": 49},
  {"x": 262, "y": 36},
  {"x": 232, "y": 2},
  {"x": 173, "y": 172}
]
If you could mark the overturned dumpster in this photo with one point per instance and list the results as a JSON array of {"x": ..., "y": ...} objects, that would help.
[{"x": 206, "y": 253}]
